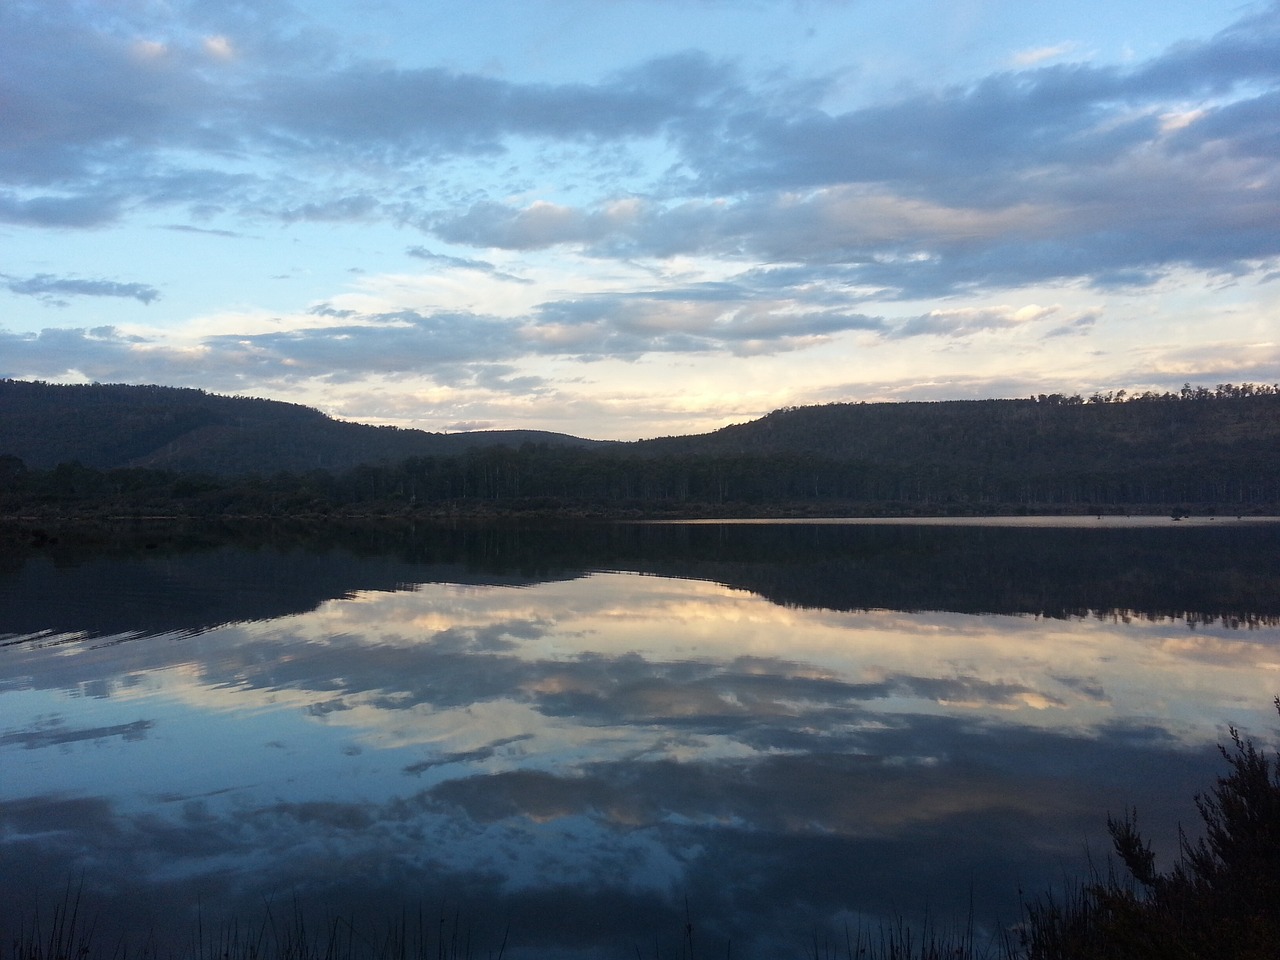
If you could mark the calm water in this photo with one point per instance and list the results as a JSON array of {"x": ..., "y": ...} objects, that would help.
[{"x": 578, "y": 734}]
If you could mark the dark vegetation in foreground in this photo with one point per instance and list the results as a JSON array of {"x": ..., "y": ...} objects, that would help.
[
  {"x": 1220, "y": 900},
  {"x": 119, "y": 450}
]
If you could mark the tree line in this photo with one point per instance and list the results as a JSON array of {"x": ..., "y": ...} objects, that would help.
[{"x": 533, "y": 477}]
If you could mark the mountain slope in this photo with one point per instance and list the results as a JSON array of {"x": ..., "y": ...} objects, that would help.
[
  {"x": 1039, "y": 435},
  {"x": 106, "y": 426}
]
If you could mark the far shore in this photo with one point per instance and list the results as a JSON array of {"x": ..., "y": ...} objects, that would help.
[
  {"x": 484, "y": 512},
  {"x": 1048, "y": 520}
]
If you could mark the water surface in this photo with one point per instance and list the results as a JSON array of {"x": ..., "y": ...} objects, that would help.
[{"x": 579, "y": 734}]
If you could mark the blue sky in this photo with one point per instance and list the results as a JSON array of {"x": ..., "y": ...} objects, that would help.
[{"x": 631, "y": 218}]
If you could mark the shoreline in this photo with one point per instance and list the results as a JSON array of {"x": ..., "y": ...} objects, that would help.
[{"x": 1039, "y": 520}]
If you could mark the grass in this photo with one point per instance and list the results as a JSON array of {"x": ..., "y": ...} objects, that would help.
[{"x": 68, "y": 937}]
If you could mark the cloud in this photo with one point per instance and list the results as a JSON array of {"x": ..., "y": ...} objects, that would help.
[
  {"x": 1039, "y": 173},
  {"x": 444, "y": 344},
  {"x": 78, "y": 98},
  {"x": 187, "y": 228},
  {"x": 1128, "y": 225},
  {"x": 45, "y": 286},
  {"x": 463, "y": 263},
  {"x": 1075, "y": 325},
  {"x": 541, "y": 224},
  {"x": 1036, "y": 55},
  {"x": 688, "y": 321},
  {"x": 451, "y": 348},
  {"x": 967, "y": 138},
  {"x": 457, "y": 347},
  {"x": 105, "y": 354},
  {"x": 966, "y": 321},
  {"x": 762, "y": 212},
  {"x": 385, "y": 111},
  {"x": 219, "y": 48},
  {"x": 58, "y": 211},
  {"x": 340, "y": 209},
  {"x": 830, "y": 223}
]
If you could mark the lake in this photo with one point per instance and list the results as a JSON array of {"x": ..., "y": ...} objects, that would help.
[{"x": 583, "y": 738}]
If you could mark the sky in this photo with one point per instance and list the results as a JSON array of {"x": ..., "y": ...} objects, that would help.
[{"x": 634, "y": 218}]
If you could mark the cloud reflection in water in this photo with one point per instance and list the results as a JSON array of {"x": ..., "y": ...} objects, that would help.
[{"x": 579, "y": 756}]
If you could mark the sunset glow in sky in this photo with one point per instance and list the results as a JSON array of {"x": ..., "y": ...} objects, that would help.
[{"x": 631, "y": 218}]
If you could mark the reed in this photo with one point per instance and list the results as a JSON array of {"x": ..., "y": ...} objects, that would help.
[{"x": 68, "y": 936}]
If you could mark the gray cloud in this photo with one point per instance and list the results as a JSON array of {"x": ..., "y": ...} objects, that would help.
[
  {"x": 391, "y": 343},
  {"x": 101, "y": 353},
  {"x": 454, "y": 348},
  {"x": 705, "y": 320},
  {"x": 1123, "y": 225},
  {"x": 1043, "y": 175},
  {"x": 937, "y": 143},
  {"x": 43, "y": 285},
  {"x": 463, "y": 263},
  {"x": 358, "y": 207},
  {"x": 442, "y": 112},
  {"x": 58, "y": 211},
  {"x": 540, "y": 225},
  {"x": 77, "y": 97},
  {"x": 965, "y": 321},
  {"x": 1107, "y": 175},
  {"x": 187, "y": 228}
]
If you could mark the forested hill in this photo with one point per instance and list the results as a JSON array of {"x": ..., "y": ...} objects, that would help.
[
  {"x": 1240, "y": 425},
  {"x": 1213, "y": 448},
  {"x": 110, "y": 426},
  {"x": 67, "y": 449}
]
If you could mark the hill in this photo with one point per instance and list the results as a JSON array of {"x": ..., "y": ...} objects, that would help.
[
  {"x": 1200, "y": 446},
  {"x": 1039, "y": 434},
  {"x": 131, "y": 450},
  {"x": 113, "y": 426}
]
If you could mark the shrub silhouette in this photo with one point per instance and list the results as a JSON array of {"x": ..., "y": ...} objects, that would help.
[{"x": 1220, "y": 900}]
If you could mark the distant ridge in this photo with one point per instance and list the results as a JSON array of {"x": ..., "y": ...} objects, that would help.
[
  {"x": 109, "y": 426},
  {"x": 1237, "y": 425},
  {"x": 1198, "y": 450}
]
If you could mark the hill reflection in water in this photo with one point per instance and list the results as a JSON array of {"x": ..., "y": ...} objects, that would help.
[{"x": 574, "y": 731}]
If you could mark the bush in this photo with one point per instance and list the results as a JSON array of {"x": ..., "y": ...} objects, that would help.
[{"x": 1220, "y": 900}]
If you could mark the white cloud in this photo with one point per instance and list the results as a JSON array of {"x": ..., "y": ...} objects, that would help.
[
  {"x": 219, "y": 48},
  {"x": 967, "y": 321},
  {"x": 1037, "y": 55}
]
